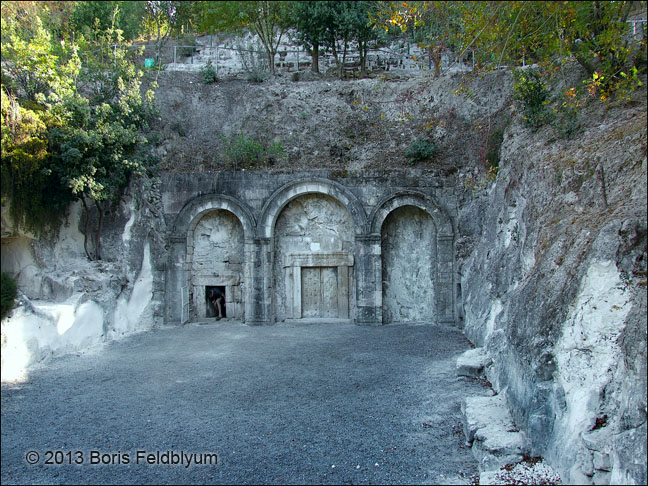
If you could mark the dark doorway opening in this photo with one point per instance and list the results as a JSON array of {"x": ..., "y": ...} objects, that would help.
[{"x": 211, "y": 309}]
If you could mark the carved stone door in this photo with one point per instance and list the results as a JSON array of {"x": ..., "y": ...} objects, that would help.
[{"x": 319, "y": 292}]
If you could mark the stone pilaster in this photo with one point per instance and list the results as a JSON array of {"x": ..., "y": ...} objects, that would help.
[
  {"x": 259, "y": 301},
  {"x": 445, "y": 295},
  {"x": 177, "y": 285},
  {"x": 368, "y": 271}
]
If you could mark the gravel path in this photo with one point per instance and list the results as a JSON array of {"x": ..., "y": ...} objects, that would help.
[{"x": 290, "y": 403}]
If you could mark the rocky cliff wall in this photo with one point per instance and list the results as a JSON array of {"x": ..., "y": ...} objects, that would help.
[
  {"x": 554, "y": 287},
  {"x": 69, "y": 304}
]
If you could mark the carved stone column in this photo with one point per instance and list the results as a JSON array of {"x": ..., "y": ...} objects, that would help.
[{"x": 259, "y": 301}]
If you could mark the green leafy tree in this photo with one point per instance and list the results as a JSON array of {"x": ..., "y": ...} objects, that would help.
[
  {"x": 163, "y": 18},
  {"x": 32, "y": 67},
  {"x": 127, "y": 16},
  {"x": 98, "y": 143},
  {"x": 513, "y": 33},
  {"x": 356, "y": 17},
  {"x": 314, "y": 22},
  {"x": 351, "y": 22},
  {"x": 21, "y": 18},
  {"x": 35, "y": 201},
  {"x": 268, "y": 20},
  {"x": 75, "y": 135}
]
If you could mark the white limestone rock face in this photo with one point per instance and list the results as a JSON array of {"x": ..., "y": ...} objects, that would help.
[
  {"x": 554, "y": 287},
  {"x": 588, "y": 356},
  {"x": 36, "y": 331},
  {"x": 134, "y": 313},
  {"x": 69, "y": 304}
]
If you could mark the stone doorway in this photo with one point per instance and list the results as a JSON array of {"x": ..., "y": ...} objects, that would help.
[
  {"x": 217, "y": 259},
  {"x": 320, "y": 292},
  {"x": 313, "y": 259}
]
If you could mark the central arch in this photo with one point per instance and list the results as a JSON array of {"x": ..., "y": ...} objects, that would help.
[{"x": 309, "y": 229}]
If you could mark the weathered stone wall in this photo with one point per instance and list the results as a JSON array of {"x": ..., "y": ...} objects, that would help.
[
  {"x": 554, "y": 288},
  {"x": 326, "y": 219},
  {"x": 68, "y": 303}
]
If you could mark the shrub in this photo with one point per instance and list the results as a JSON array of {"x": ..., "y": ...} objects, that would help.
[
  {"x": 8, "y": 294},
  {"x": 533, "y": 94},
  {"x": 421, "y": 149},
  {"x": 243, "y": 150},
  {"x": 254, "y": 61},
  {"x": 208, "y": 73}
]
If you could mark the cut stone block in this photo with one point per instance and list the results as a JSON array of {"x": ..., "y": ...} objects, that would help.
[
  {"x": 473, "y": 362},
  {"x": 488, "y": 426}
]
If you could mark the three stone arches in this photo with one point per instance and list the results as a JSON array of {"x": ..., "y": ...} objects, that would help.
[{"x": 358, "y": 267}]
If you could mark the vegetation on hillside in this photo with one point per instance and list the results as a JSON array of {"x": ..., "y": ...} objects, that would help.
[{"x": 74, "y": 117}]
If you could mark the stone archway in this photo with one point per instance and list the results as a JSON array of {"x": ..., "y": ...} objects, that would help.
[
  {"x": 183, "y": 300},
  {"x": 313, "y": 259},
  {"x": 217, "y": 263},
  {"x": 408, "y": 266},
  {"x": 440, "y": 248}
]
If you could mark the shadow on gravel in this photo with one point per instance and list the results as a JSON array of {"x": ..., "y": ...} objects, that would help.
[{"x": 290, "y": 403}]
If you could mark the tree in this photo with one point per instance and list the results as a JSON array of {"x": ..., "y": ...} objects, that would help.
[
  {"x": 127, "y": 16},
  {"x": 268, "y": 20},
  {"x": 33, "y": 68},
  {"x": 434, "y": 26},
  {"x": 33, "y": 78},
  {"x": 163, "y": 16},
  {"x": 71, "y": 133},
  {"x": 314, "y": 22},
  {"x": 24, "y": 17},
  {"x": 358, "y": 15},
  {"x": 515, "y": 33},
  {"x": 98, "y": 143}
]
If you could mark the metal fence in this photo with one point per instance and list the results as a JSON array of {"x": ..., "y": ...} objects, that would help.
[{"x": 227, "y": 60}]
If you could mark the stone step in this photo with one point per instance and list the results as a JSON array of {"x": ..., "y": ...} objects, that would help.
[
  {"x": 472, "y": 363},
  {"x": 489, "y": 428}
]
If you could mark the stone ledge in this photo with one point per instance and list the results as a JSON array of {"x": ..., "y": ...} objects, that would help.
[
  {"x": 472, "y": 363},
  {"x": 488, "y": 426}
]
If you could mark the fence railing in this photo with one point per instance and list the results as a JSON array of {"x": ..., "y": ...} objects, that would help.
[{"x": 228, "y": 60}]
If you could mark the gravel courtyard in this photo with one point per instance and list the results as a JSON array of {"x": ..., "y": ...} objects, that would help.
[{"x": 310, "y": 403}]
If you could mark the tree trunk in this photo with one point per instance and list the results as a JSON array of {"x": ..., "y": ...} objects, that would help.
[
  {"x": 85, "y": 228},
  {"x": 335, "y": 53},
  {"x": 315, "y": 66},
  {"x": 271, "y": 62},
  {"x": 343, "y": 66},
  {"x": 435, "y": 56},
  {"x": 98, "y": 235},
  {"x": 363, "y": 58}
]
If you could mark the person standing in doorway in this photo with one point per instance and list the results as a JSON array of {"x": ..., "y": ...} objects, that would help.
[{"x": 216, "y": 298}]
